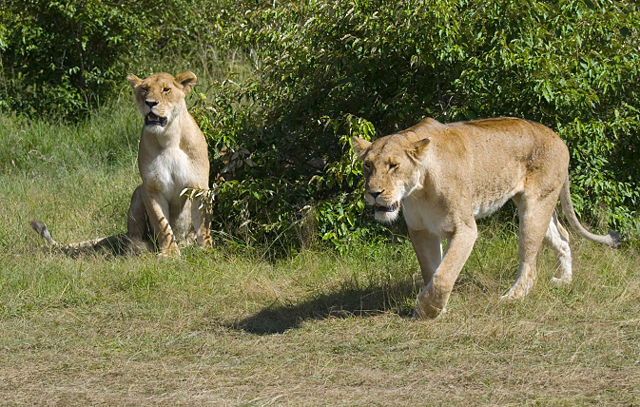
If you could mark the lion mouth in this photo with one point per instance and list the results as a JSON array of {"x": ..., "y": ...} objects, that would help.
[
  {"x": 153, "y": 120},
  {"x": 382, "y": 208}
]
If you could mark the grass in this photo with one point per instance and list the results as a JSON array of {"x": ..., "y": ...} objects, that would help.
[{"x": 229, "y": 328}]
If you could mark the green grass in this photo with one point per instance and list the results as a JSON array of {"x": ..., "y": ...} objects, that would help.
[{"x": 228, "y": 327}]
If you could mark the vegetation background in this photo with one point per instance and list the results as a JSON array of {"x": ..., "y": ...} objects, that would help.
[
  {"x": 305, "y": 300},
  {"x": 284, "y": 84}
]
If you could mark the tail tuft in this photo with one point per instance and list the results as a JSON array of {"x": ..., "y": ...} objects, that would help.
[
  {"x": 42, "y": 230},
  {"x": 616, "y": 240}
]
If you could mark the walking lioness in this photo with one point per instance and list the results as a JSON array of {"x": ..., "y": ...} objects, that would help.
[
  {"x": 172, "y": 156},
  {"x": 444, "y": 177}
]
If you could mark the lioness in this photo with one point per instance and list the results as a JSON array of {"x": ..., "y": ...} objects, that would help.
[
  {"x": 172, "y": 156},
  {"x": 446, "y": 176}
]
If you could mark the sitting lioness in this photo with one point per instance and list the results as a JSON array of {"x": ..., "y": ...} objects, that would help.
[
  {"x": 444, "y": 177},
  {"x": 172, "y": 156}
]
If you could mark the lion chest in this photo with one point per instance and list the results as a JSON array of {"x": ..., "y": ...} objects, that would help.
[
  {"x": 169, "y": 172},
  {"x": 421, "y": 214}
]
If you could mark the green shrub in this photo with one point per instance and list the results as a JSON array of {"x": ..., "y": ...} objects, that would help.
[
  {"x": 63, "y": 58},
  {"x": 311, "y": 74},
  {"x": 573, "y": 66}
]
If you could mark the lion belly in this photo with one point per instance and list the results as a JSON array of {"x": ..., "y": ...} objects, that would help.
[
  {"x": 495, "y": 183},
  {"x": 490, "y": 203},
  {"x": 488, "y": 207}
]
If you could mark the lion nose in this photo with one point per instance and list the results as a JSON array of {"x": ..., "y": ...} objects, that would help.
[
  {"x": 375, "y": 194},
  {"x": 150, "y": 103}
]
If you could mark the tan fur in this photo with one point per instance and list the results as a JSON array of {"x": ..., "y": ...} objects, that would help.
[
  {"x": 172, "y": 156},
  {"x": 444, "y": 177}
]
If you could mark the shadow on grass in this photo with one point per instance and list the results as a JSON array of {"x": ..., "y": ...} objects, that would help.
[{"x": 278, "y": 318}]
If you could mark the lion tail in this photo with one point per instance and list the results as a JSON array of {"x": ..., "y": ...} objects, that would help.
[
  {"x": 116, "y": 244},
  {"x": 611, "y": 239},
  {"x": 42, "y": 230}
]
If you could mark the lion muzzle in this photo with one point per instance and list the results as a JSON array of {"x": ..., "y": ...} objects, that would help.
[{"x": 381, "y": 208}]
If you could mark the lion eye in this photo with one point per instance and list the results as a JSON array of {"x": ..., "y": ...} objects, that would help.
[
  {"x": 166, "y": 90},
  {"x": 392, "y": 166}
]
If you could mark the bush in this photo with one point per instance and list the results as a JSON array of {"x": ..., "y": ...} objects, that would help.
[
  {"x": 573, "y": 66},
  {"x": 65, "y": 57},
  {"x": 314, "y": 73}
]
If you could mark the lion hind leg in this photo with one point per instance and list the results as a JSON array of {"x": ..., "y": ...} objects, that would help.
[
  {"x": 138, "y": 228},
  {"x": 534, "y": 215},
  {"x": 558, "y": 238},
  {"x": 201, "y": 219}
]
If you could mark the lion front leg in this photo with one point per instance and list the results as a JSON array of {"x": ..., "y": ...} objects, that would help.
[
  {"x": 428, "y": 248},
  {"x": 158, "y": 212},
  {"x": 433, "y": 299}
]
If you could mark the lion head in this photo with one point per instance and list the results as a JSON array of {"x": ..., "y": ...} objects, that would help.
[
  {"x": 160, "y": 97},
  {"x": 393, "y": 169}
]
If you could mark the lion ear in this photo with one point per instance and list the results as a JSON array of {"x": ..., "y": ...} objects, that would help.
[
  {"x": 360, "y": 146},
  {"x": 134, "y": 80},
  {"x": 187, "y": 80},
  {"x": 419, "y": 149}
]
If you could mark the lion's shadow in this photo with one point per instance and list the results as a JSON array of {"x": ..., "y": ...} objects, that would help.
[{"x": 373, "y": 300}]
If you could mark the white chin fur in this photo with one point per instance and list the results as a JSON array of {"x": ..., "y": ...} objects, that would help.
[
  {"x": 386, "y": 217},
  {"x": 155, "y": 128}
]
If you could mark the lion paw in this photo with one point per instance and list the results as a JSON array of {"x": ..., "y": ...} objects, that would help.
[
  {"x": 171, "y": 251},
  {"x": 561, "y": 280},
  {"x": 428, "y": 312},
  {"x": 510, "y": 297}
]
